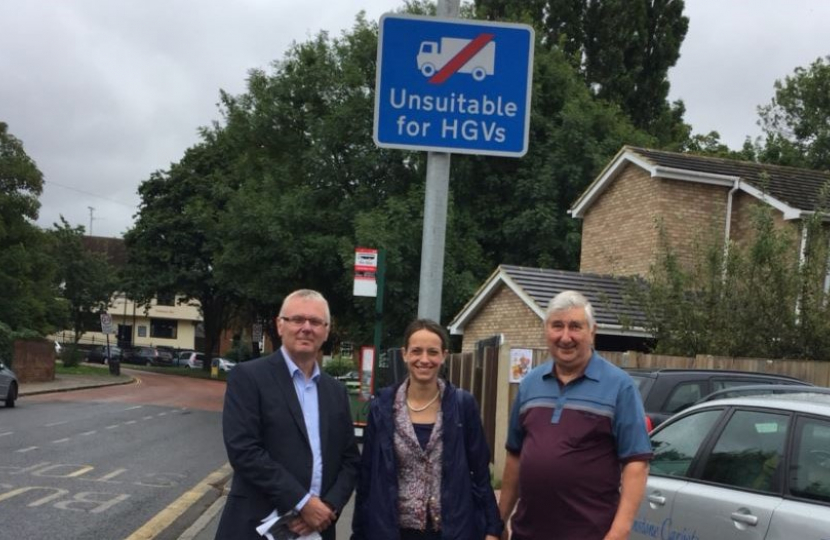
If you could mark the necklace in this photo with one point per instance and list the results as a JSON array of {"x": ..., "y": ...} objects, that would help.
[{"x": 425, "y": 407}]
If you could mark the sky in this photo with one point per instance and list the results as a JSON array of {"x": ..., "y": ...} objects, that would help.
[{"x": 104, "y": 92}]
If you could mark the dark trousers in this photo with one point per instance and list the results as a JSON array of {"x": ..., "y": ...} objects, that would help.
[{"x": 415, "y": 534}]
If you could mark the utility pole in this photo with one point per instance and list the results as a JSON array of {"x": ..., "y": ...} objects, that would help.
[{"x": 91, "y": 219}]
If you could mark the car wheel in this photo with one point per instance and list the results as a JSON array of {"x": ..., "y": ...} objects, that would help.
[{"x": 11, "y": 396}]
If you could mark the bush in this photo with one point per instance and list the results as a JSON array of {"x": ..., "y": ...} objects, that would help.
[
  {"x": 339, "y": 365},
  {"x": 71, "y": 355},
  {"x": 238, "y": 353}
]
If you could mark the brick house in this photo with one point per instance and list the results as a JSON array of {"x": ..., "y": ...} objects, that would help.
[{"x": 693, "y": 197}]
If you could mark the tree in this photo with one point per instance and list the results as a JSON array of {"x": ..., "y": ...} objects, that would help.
[
  {"x": 86, "y": 279},
  {"x": 623, "y": 50},
  {"x": 757, "y": 300},
  {"x": 30, "y": 304},
  {"x": 797, "y": 120},
  {"x": 174, "y": 245},
  {"x": 517, "y": 209}
]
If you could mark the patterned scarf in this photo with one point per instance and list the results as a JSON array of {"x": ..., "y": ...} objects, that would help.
[{"x": 419, "y": 469}]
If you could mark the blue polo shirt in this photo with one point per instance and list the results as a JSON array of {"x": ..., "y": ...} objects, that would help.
[{"x": 572, "y": 441}]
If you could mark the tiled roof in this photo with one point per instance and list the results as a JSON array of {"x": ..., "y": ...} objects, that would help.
[
  {"x": 798, "y": 188},
  {"x": 609, "y": 295}
]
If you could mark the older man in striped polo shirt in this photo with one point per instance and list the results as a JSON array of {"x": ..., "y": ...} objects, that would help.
[{"x": 577, "y": 446}]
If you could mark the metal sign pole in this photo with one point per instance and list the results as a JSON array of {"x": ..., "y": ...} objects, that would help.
[{"x": 435, "y": 216}]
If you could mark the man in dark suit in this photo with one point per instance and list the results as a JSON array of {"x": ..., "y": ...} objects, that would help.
[{"x": 288, "y": 431}]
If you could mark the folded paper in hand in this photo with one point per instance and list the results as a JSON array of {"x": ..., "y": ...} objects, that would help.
[{"x": 275, "y": 527}]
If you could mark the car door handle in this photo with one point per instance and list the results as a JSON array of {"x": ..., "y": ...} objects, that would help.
[
  {"x": 745, "y": 518},
  {"x": 657, "y": 499}
]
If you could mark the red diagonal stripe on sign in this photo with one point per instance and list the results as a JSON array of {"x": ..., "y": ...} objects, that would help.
[{"x": 463, "y": 56}]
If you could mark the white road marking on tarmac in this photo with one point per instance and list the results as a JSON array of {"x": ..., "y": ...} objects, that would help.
[
  {"x": 6, "y": 433},
  {"x": 60, "y": 440},
  {"x": 57, "y": 423},
  {"x": 24, "y": 450},
  {"x": 112, "y": 427},
  {"x": 93, "y": 432}
]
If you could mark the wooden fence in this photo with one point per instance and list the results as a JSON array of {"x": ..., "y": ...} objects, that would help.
[{"x": 812, "y": 371}]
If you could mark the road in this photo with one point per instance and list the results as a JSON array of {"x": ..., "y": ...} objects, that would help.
[{"x": 134, "y": 461}]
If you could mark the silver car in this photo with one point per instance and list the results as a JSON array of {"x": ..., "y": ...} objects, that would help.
[
  {"x": 8, "y": 385},
  {"x": 752, "y": 467},
  {"x": 190, "y": 359}
]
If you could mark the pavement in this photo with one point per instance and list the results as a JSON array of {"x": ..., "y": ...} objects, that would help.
[
  {"x": 205, "y": 526},
  {"x": 67, "y": 383}
]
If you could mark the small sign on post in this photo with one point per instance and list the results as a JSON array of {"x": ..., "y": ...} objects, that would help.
[
  {"x": 365, "y": 272},
  {"x": 106, "y": 323}
]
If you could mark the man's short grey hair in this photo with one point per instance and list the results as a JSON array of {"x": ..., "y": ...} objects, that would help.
[
  {"x": 307, "y": 294},
  {"x": 568, "y": 300}
]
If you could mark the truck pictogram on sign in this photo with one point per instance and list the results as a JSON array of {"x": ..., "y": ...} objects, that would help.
[{"x": 474, "y": 56}]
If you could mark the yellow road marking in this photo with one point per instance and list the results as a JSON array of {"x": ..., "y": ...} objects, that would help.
[{"x": 166, "y": 517}]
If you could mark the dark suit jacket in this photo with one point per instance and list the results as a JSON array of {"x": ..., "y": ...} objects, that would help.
[{"x": 269, "y": 450}]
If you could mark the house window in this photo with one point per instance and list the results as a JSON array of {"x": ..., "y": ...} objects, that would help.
[
  {"x": 165, "y": 299},
  {"x": 163, "y": 328},
  {"x": 142, "y": 331}
]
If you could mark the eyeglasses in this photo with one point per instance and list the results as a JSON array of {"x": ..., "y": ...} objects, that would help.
[{"x": 299, "y": 320}]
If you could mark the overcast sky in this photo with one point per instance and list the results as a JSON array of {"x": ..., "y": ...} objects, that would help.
[{"x": 104, "y": 92}]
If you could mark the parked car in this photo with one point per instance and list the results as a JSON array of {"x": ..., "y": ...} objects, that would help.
[
  {"x": 351, "y": 380},
  {"x": 190, "y": 359},
  {"x": 224, "y": 364},
  {"x": 8, "y": 385},
  {"x": 99, "y": 354},
  {"x": 750, "y": 467},
  {"x": 147, "y": 356},
  {"x": 669, "y": 391}
]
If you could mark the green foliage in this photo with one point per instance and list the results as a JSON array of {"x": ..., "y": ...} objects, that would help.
[
  {"x": 339, "y": 365},
  {"x": 87, "y": 280},
  {"x": 175, "y": 243},
  {"x": 756, "y": 300},
  {"x": 7, "y": 339},
  {"x": 27, "y": 273},
  {"x": 278, "y": 195},
  {"x": 239, "y": 352},
  {"x": 71, "y": 355},
  {"x": 795, "y": 121},
  {"x": 623, "y": 50}
]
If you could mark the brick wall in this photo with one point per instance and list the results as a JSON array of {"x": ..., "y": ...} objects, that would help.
[
  {"x": 504, "y": 313},
  {"x": 620, "y": 233},
  {"x": 618, "y": 229},
  {"x": 743, "y": 232},
  {"x": 34, "y": 361},
  {"x": 693, "y": 215}
]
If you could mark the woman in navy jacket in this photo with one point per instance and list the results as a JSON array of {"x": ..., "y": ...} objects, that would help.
[{"x": 425, "y": 466}]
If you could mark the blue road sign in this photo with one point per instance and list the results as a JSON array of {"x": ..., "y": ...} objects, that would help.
[{"x": 453, "y": 85}]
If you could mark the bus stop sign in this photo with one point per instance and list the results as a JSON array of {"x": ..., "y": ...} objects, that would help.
[{"x": 453, "y": 85}]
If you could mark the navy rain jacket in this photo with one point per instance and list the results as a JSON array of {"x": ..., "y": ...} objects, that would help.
[{"x": 468, "y": 505}]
